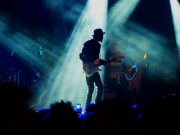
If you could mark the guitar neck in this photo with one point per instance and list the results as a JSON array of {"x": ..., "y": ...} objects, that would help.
[
  {"x": 106, "y": 62},
  {"x": 109, "y": 61}
]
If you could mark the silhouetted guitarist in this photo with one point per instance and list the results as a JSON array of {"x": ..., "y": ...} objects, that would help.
[{"x": 90, "y": 53}]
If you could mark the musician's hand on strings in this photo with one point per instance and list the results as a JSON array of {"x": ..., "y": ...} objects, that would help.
[
  {"x": 91, "y": 64},
  {"x": 102, "y": 62}
]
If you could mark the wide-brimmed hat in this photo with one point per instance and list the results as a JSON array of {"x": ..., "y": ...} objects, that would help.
[{"x": 98, "y": 32}]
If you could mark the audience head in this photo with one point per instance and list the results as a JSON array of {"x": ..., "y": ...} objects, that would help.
[
  {"x": 160, "y": 116},
  {"x": 63, "y": 117},
  {"x": 115, "y": 116},
  {"x": 90, "y": 108},
  {"x": 15, "y": 115}
]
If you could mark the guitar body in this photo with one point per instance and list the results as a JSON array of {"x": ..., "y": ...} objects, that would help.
[{"x": 92, "y": 67}]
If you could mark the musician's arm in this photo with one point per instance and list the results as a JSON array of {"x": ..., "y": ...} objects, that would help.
[{"x": 102, "y": 62}]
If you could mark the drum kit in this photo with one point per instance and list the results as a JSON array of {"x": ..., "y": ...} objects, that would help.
[
  {"x": 10, "y": 75},
  {"x": 14, "y": 71},
  {"x": 9, "y": 71}
]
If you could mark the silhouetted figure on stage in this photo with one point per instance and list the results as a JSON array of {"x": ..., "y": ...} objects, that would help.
[
  {"x": 124, "y": 92},
  {"x": 90, "y": 53},
  {"x": 131, "y": 74}
]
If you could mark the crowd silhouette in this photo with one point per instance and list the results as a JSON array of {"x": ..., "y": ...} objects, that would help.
[{"x": 159, "y": 115}]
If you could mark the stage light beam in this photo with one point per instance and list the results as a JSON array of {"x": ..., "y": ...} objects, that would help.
[
  {"x": 69, "y": 83},
  {"x": 175, "y": 9}
]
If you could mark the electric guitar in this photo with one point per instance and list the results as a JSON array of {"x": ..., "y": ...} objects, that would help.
[
  {"x": 130, "y": 73},
  {"x": 90, "y": 68}
]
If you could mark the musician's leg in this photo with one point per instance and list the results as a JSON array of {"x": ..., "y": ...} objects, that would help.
[
  {"x": 90, "y": 83},
  {"x": 99, "y": 85}
]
